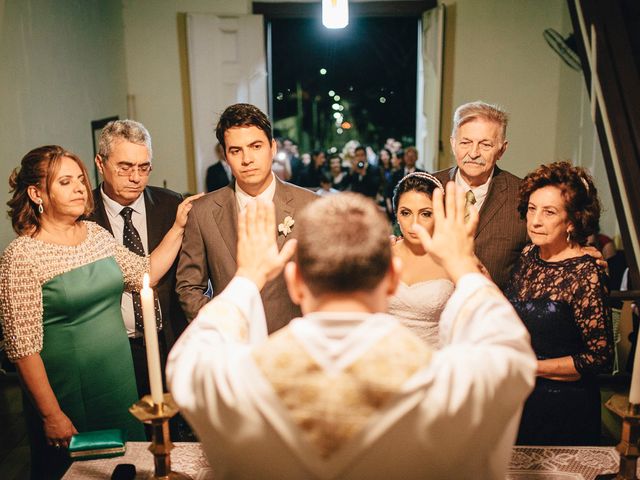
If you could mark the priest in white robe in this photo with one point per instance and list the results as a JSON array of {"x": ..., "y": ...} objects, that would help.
[{"x": 347, "y": 392}]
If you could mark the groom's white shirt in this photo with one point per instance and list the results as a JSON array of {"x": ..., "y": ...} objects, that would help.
[{"x": 354, "y": 396}]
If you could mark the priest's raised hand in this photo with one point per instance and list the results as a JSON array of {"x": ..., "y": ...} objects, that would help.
[{"x": 451, "y": 244}]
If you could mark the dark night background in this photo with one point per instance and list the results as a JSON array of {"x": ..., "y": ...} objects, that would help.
[{"x": 369, "y": 59}]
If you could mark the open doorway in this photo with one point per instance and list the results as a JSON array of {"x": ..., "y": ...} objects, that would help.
[{"x": 333, "y": 86}]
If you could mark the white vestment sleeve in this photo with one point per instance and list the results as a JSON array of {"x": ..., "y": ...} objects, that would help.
[
  {"x": 483, "y": 373},
  {"x": 224, "y": 329},
  {"x": 478, "y": 313}
]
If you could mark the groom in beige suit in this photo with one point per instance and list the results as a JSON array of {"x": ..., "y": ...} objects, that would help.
[{"x": 210, "y": 237}]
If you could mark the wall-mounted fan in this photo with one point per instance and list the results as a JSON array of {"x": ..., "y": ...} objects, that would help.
[{"x": 565, "y": 47}]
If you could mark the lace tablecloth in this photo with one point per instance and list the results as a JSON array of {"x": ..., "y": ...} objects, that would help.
[
  {"x": 527, "y": 463},
  {"x": 186, "y": 458},
  {"x": 562, "y": 463}
]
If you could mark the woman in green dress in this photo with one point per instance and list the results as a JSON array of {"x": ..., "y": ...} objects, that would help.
[{"x": 61, "y": 283}]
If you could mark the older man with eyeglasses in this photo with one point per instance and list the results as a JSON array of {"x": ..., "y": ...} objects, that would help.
[{"x": 139, "y": 216}]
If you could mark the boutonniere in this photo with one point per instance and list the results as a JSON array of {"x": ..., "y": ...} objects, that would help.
[{"x": 286, "y": 226}]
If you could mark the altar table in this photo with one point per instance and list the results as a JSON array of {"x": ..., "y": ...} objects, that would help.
[{"x": 527, "y": 463}]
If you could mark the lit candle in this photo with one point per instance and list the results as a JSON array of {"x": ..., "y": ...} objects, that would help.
[
  {"x": 151, "y": 340},
  {"x": 634, "y": 391}
]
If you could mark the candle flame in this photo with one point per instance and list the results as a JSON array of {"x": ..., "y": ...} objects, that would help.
[{"x": 145, "y": 281}]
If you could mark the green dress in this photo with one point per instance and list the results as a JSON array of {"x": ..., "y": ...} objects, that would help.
[{"x": 85, "y": 348}]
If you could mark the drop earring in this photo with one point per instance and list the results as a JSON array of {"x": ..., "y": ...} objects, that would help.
[
  {"x": 40, "y": 207},
  {"x": 568, "y": 236}
]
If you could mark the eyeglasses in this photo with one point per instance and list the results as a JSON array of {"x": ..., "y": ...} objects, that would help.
[{"x": 127, "y": 169}]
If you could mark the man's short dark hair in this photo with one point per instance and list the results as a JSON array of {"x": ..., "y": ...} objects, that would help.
[
  {"x": 361, "y": 147},
  {"x": 326, "y": 177},
  {"x": 243, "y": 115},
  {"x": 343, "y": 244}
]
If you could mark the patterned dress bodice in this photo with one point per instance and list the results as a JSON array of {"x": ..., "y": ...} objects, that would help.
[{"x": 563, "y": 306}]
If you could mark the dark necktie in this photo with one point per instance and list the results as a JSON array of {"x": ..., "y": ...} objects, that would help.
[{"x": 131, "y": 240}]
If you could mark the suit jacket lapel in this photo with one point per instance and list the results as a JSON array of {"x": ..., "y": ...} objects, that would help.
[
  {"x": 154, "y": 221},
  {"x": 225, "y": 214},
  {"x": 99, "y": 214},
  {"x": 283, "y": 201},
  {"x": 494, "y": 201}
]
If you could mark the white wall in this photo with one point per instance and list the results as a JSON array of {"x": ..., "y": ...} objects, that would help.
[
  {"x": 154, "y": 77},
  {"x": 62, "y": 65}
]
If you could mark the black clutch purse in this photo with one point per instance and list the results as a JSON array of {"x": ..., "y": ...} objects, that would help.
[{"x": 97, "y": 444}]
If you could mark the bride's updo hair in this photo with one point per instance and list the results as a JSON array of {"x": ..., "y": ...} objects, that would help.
[
  {"x": 422, "y": 182},
  {"x": 343, "y": 244}
]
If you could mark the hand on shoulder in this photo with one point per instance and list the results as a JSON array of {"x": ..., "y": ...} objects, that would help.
[
  {"x": 597, "y": 255},
  {"x": 183, "y": 210}
]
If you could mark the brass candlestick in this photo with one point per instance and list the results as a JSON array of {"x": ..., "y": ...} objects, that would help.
[
  {"x": 158, "y": 417},
  {"x": 628, "y": 446}
]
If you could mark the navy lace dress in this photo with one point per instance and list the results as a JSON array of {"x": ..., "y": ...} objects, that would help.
[{"x": 563, "y": 306}]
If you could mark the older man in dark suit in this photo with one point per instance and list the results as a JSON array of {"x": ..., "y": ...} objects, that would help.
[
  {"x": 124, "y": 203},
  {"x": 209, "y": 245},
  {"x": 478, "y": 140}
]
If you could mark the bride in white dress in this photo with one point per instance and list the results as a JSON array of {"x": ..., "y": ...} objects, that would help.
[{"x": 424, "y": 288}]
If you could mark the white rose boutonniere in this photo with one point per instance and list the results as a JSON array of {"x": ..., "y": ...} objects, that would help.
[{"x": 285, "y": 227}]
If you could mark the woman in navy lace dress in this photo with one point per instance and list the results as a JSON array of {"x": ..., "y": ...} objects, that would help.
[{"x": 559, "y": 292}]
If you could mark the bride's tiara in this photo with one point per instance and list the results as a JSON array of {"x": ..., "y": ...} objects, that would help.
[{"x": 425, "y": 176}]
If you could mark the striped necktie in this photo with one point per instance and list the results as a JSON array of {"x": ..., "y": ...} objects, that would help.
[{"x": 131, "y": 240}]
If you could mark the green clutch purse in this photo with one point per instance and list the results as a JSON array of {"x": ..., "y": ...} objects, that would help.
[{"x": 97, "y": 444}]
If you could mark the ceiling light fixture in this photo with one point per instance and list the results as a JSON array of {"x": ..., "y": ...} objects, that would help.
[{"x": 335, "y": 13}]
